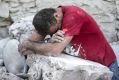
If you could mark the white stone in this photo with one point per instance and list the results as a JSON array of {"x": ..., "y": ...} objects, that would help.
[
  {"x": 28, "y": 4},
  {"x": 10, "y": 1},
  {"x": 21, "y": 29},
  {"x": 6, "y": 0},
  {"x": 15, "y": 9},
  {"x": 2, "y": 72},
  {"x": 14, "y": 61},
  {"x": 4, "y": 10},
  {"x": 4, "y": 32},
  {"x": 3, "y": 43},
  {"x": 1, "y": 62},
  {"x": 10, "y": 76},
  {"x": 7, "y": 76},
  {"x": 25, "y": 1},
  {"x": 14, "y": 0},
  {"x": 14, "y": 4},
  {"x": 65, "y": 67},
  {"x": 30, "y": 14},
  {"x": 32, "y": 10}
]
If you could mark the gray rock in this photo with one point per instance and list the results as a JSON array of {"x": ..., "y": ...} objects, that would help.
[
  {"x": 4, "y": 22},
  {"x": 13, "y": 60},
  {"x": 29, "y": 4},
  {"x": 25, "y": 1},
  {"x": 14, "y": 0},
  {"x": 21, "y": 29},
  {"x": 15, "y": 10},
  {"x": 2, "y": 72},
  {"x": 14, "y": 4},
  {"x": 3, "y": 43},
  {"x": 4, "y": 32},
  {"x": 1, "y": 62},
  {"x": 65, "y": 67},
  {"x": 7, "y": 76},
  {"x": 10, "y": 76},
  {"x": 111, "y": 37},
  {"x": 5, "y": 10}
]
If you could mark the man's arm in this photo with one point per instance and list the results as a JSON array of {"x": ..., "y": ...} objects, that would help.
[
  {"x": 49, "y": 48},
  {"x": 35, "y": 36}
]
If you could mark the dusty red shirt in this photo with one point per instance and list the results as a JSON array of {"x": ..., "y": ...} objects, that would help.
[{"x": 86, "y": 35}]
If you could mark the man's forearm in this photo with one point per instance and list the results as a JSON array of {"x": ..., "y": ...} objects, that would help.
[
  {"x": 35, "y": 37},
  {"x": 42, "y": 48},
  {"x": 48, "y": 48}
]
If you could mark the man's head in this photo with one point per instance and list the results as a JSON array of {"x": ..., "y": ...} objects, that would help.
[{"x": 47, "y": 21}]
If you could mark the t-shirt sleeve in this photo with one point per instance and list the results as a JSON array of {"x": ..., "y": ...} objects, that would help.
[{"x": 72, "y": 24}]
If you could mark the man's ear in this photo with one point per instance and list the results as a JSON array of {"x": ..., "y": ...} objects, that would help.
[{"x": 56, "y": 15}]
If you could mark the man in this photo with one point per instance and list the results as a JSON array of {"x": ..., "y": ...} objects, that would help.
[{"x": 78, "y": 28}]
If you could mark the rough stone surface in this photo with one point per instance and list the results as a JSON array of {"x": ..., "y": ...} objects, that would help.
[
  {"x": 22, "y": 29},
  {"x": 7, "y": 76},
  {"x": 65, "y": 67},
  {"x": 25, "y": 1}
]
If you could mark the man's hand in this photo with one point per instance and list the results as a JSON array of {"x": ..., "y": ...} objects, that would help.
[
  {"x": 58, "y": 36},
  {"x": 23, "y": 46}
]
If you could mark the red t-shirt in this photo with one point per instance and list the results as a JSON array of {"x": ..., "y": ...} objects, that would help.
[{"x": 86, "y": 35}]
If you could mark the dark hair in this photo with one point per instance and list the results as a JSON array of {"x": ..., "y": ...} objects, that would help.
[{"x": 43, "y": 20}]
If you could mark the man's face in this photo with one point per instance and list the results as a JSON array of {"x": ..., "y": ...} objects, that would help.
[
  {"x": 54, "y": 28},
  {"x": 58, "y": 16}
]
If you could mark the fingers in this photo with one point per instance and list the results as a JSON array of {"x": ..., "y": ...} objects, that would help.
[
  {"x": 21, "y": 48},
  {"x": 58, "y": 36},
  {"x": 56, "y": 40},
  {"x": 59, "y": 33}
]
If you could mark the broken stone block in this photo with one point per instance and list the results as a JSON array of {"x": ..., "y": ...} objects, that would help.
[
  {"x": 65, "y": 67},
  {"x": 14, "y": 61},
  {"x": 25, "y": 1},
  {"x": 7, "y": 76},
  {"x": 3, "y": 43},
  {"x": 14, "y": 4},
  {"x": 29, "y": 4},
  {"x": 5, "y": 10},
  {"x": 22, "y": 29}
]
